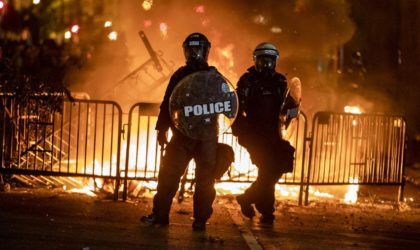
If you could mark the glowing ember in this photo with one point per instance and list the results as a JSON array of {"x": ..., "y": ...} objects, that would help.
[
  {"x": 75, "y": 28},
  {"x": 163, "y": 29},
  {"x": 25, "y": 34},
  {"x": 276, "y": 29},
  {"x": 147, "y": 4},
  {"x": 67, "y": 35},
  {"x": 147, "y": 23},
  {"x": 409, "y": 199},
  {"x": 107, "y": 24},
  {"x": 113, "y": 35},
  {"x": 260, "y": 19},
  {"x": 52, "y": 35},
  {"x": 205, "y": 22},
  {"x": 200, "y": 9}
]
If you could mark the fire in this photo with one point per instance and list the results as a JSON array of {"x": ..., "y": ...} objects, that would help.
[
  {"x": 287, "y": 191},
  {"x": 227, "y": 54},
  {"x": 353, "y": 109},
  {"x": 85, "y": 190},
  {"x": 139, "y": 156},
  {"x": 225, "y": 62},
  {"x": 144, "y": 160},
  {"x": 351, "y": 195},
  {"x": 224, "y": 188}
]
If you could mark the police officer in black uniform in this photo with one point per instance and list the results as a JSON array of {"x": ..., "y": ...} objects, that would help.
[
  {"x": 262, "y": 94},
  {"x": 181, "y": 149}
]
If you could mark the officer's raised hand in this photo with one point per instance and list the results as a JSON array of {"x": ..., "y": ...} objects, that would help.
[{"x": 162, "y": 137}]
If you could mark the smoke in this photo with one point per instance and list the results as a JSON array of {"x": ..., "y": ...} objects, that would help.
[{"x": 307, "y": 34}]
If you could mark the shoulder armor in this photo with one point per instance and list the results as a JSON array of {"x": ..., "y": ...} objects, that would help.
[
  {"x": 212, "y": 68},
  {"x": 280, "y": 77}
]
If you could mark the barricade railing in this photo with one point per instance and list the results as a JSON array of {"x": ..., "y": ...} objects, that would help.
[
  {"x": 80, "y": 138},
  {"x": 86, "y": 138},
  {"x": 143, "y": 154},
  {"x": 357, "y": 149}
]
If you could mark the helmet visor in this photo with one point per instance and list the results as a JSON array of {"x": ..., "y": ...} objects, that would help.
[
  {"x": 265, "y": 63},
  {"x": 196, "y": 54}
]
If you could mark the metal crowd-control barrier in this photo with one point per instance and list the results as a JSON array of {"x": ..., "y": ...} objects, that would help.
[
  {"x": 86, "y": 138},
  {"x": 80, "y": 139},
  {"x": 358, "y": 149},
  {"x": 143, "y": 154}
]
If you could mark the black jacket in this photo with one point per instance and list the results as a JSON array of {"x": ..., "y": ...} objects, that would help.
[{"x": 261, "y": 101}]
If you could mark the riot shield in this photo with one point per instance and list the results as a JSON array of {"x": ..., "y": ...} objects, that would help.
[
  {"x": 287, "y": 124},
  {"x": 203, "y": 105},
  {"x": 295, "y": 87}
]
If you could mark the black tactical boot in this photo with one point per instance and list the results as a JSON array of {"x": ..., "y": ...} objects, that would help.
[
  {"x": 267, "y": 220},
  {"x": 152, "y": 219},
  {"x": 246, "y": 208},
  {"x": 199, "y": 225}
]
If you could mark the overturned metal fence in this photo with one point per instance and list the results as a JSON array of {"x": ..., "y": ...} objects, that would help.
[{"x": 86, "y": 138}]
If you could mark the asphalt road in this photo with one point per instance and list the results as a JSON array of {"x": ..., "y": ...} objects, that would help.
[{"x": 55, "y": 219}]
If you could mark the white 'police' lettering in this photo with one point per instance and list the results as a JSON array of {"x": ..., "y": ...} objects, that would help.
[{"x": 206, "y": 109}]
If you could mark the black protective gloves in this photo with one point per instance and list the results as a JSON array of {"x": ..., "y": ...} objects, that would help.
[{"x": 162, "y": 137}]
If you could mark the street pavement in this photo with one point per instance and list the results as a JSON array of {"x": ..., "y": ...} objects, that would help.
[
  {"x": 41, "y": 218},
  {"x": 413, "y": 174}
]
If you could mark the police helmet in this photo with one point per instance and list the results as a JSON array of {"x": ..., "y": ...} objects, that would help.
[
  {"x": 265, "y": 57},
  {"x": 196, "y": 48}
]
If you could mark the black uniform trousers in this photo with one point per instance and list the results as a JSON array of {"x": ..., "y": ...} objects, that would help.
[
  {"x": 273, "y": 157},
  {"x": 178, "y": 153}
]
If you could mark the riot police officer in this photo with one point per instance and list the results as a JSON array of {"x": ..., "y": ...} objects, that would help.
[
  {"x": 181, "y": 149},
  {"x": 263, "y": 97}
]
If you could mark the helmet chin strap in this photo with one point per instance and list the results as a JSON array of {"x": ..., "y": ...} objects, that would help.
[
  {"x": 265, "y": 69},
  {"x": 197, "y": 64},
  {"x": 266, "y": 72}
]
